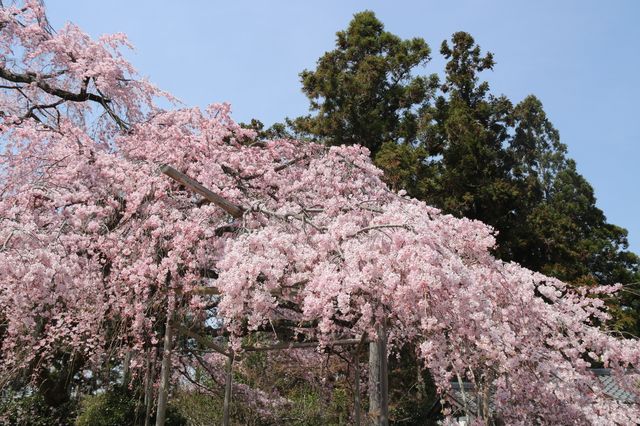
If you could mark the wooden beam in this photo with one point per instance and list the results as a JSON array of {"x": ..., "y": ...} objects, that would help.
[
  {"x": 275, "y": 347},
  {"x": 229, "y": 207},
  {"x": 300, "y": 345},
  {"x": 206, "y": 291}
]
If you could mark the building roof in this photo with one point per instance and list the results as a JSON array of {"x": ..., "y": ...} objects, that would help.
[{"x": 611, "y": 386}]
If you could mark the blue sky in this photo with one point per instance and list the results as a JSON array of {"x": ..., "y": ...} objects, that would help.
[{"x": 580, "y": 58}]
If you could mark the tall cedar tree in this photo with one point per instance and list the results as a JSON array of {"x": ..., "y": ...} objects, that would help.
[{"x": 364, "y": 92}]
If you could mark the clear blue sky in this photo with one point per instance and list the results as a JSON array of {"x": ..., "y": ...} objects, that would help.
[{"x": 581, "y": 58}]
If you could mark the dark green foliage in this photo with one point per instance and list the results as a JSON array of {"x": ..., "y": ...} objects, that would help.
[
  {"x": 467, "y": 132},
  {"x": 115, "y": 407},
  {"x": 32, "y": 410},
  {"x": 38, "y": 395},
  {"x": 364, "y": 91},
  {"x": 401, "y": 163},
  {"x": 198, "y": 408},
  {"x": 120, "y": 406},
  {"x": 412, "y": 390},
  {"x": 276, "y": 131}
]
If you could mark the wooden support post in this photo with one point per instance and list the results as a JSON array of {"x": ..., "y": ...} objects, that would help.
[
  {"x": 356, "y": 373},
  {"x": 125, "y": 368},
  {"x": 148, "y": 390},
  {"x": 378, "y": 379},
  {"x": 384, "y": 376},
  {"x": 227, "y": 392},
  {"x": 374, "y": 381},
  {"x": 165, "y": 372}
]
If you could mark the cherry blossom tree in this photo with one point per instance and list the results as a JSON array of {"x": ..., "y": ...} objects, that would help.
[{"x": 101, "y": 253}]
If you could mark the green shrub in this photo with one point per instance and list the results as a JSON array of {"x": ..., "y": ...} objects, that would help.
[
  {"x": 32, "y": 410},
  {"x": 117, "y": 407},
  {"x": 112, "y": 408}
]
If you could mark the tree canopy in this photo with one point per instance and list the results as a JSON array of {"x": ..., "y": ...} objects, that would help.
[{"x": 103, "y": 255}]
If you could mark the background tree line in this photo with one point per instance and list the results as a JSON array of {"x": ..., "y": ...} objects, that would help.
[{"x": 453, "y": 143}]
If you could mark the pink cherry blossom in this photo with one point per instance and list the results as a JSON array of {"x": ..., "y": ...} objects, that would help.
[{"x": 97, "y": 246}]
